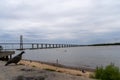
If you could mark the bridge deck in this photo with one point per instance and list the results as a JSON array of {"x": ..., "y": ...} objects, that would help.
[{"x": 24, "y": 46}]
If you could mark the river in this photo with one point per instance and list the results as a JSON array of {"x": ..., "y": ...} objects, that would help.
[{"x": 90, "y": 57}]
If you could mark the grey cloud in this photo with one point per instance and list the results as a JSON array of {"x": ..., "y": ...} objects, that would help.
[{"x": 89, "y": 21}]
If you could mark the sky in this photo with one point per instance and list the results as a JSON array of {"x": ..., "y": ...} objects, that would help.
[{"x": 60, "y": 21}]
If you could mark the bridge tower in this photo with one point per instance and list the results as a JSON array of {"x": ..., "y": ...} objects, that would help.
[{"x": 21, "y": 42}]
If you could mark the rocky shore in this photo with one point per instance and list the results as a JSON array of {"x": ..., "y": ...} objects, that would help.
[{"x": 27, "y": 70}]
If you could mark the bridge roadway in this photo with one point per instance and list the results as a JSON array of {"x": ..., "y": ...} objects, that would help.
[{"x": 38, "y": 45}]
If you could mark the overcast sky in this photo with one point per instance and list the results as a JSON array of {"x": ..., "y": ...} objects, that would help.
[{"x": 61, "y": 21}]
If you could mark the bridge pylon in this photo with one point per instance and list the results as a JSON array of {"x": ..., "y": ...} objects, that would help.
[{"x": 21, "y": 42}]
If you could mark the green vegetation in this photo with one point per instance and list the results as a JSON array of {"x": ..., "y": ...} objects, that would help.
[
  {"x": 105, "y": 44},
  {"x": 102, "y": 44},
  {"x": 49, "y": 69},
  {"x": 33, "y": 66},
  {"x": 110, "y": 72}
]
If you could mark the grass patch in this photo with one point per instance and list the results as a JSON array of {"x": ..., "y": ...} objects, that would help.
[
  {"x": 91, "y": 76},
  {"x": 33, "y": 66},
  {"x": 49, "y": 69}
]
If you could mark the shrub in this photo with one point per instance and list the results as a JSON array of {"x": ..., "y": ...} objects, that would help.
[{"x": 110, "y": 72}]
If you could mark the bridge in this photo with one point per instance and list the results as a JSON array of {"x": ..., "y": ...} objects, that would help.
[
  {"x": 23, "y": 46},
  {"x": 30, "y": 46}
]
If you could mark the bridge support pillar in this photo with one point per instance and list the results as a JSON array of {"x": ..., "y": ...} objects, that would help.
[
  {"x": 32, "y": 46},
  {"x": 37, "y": 46},
  {"x": 45, "y": 45},
  {"x": 41, "y": 46},
  {"x": 52, "y": 45},
  {"x": 21, "y": 42}
]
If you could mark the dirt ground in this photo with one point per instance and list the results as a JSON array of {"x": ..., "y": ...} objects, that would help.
[{"x": 27, "y": 70}]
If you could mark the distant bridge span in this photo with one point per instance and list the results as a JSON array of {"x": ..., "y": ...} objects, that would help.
[{"x": 24, "y": 46}]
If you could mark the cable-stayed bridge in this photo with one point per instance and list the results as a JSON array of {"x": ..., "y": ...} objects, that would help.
[
  {"x": 18, "y": 46},
  {"x": 31, "y": 45}
]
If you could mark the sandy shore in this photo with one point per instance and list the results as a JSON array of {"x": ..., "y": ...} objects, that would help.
[
  {"x": 29, "y": 70},
  {"x": 45, "y": 66}
]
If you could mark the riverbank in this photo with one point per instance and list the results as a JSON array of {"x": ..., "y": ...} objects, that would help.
[
  {"x": 30, "y": 70},
  {"x": 57, "y": 68}
]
